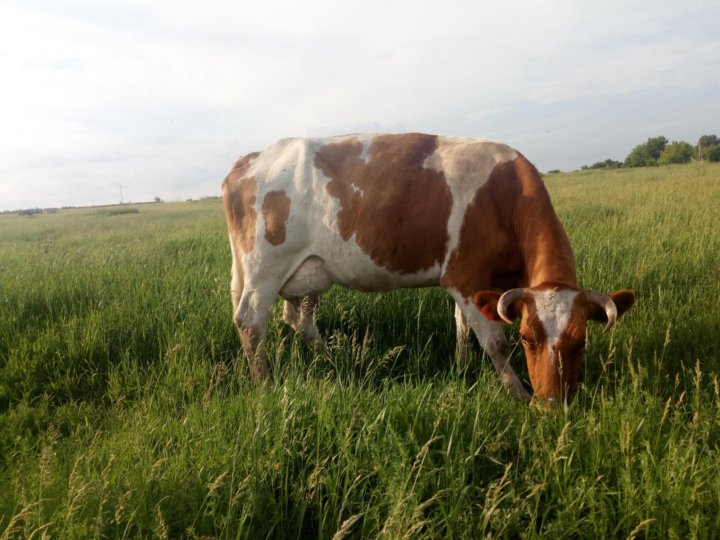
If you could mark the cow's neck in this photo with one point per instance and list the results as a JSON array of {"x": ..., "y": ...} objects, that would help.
[
  {"x": 549, "y": 259},
  {"x": 545, "y": 248}
]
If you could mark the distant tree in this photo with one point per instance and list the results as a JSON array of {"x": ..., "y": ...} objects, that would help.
[
  {"x": 708, "y": 140},
  {"x": 648, "y": 153},
  {"x": 638, "y": 157},
  {"x": 607, "y": 164},
  {"x": 676, "y": 152},
  {"x": 712, "y": 153},
  {"x": 708, "y": 148},
  {"x": 30, "y": 211},
  {"x": 655, "y": 146}
]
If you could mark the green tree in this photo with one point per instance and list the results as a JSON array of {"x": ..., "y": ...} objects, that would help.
[
  {"x": 607, "y": 164},
  {"x": 676, "y": 152},
  {"x": 712, "y": 153},
  {"x": 638, "y": 157},
  {"x": 647, "y": 153},
  {"x": 708, "y": 148},
  {"x": 655, "y": 146}
]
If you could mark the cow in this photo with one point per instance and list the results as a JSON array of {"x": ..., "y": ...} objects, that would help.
[{"x": 382, "y": 212}]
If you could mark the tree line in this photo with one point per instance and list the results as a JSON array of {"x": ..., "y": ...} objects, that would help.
[{"x": 659, "y": 151}]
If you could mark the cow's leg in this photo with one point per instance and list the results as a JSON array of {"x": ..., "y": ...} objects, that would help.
[
  {"x": 462, "y": 334},
  {"x": 491, "y": 336},
  {"x": 251, "y": 312},
  {"x": 299, "y": 313},
  {"x": 251, "y": 318},
  {"x": 236, "y": 281}
]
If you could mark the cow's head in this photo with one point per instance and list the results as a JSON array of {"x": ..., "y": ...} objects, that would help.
[{"x": 553, "y": 330}]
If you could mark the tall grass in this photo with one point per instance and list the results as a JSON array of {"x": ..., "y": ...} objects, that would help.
[{"x": 126, "y": 411}]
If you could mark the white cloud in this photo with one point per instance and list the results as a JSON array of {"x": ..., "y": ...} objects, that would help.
[{"x": 164, "y": 95}]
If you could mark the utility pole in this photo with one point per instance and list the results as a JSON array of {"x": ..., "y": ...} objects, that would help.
[{"x": 121, "y": 195}]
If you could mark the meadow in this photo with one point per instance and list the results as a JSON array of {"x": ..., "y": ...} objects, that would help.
[{"x": 126, "y": 409}]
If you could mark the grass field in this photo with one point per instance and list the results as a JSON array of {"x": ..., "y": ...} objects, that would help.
[{"x": 126, "y": 411}]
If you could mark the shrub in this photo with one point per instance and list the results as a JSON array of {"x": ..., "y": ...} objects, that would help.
[
  {"x": 676, "y": 152},
  {"x": 708, "y": 148}
]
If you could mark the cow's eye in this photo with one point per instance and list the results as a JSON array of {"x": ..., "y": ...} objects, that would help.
[{"x": 528, "y": 342}]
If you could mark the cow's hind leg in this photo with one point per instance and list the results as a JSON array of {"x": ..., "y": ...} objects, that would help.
[
  {"x": 299, "y": 313},
  {"x": 301, "y": 292},
  {"x": 249, "y": 331},
  {"x": 251, "y": 318},
  {"x": 236, "y": 280},
  {"x": 251, "y": 313}
]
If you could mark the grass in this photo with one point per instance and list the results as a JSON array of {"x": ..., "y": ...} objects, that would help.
[{"x": 126, "y": 411}]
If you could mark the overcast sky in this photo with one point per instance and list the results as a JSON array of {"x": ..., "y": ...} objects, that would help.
[{"x": 160, "y": 97}]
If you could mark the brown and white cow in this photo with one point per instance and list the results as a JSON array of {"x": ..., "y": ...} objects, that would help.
[{"x": 381, "y": 212}]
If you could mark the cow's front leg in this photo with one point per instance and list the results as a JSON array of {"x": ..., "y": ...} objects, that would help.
[
  {"x": 491, "y": 336},
  {"x": 462, "y": 335}
]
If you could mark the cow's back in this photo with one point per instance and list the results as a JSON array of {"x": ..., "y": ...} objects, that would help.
[{"x": 382, "y": 211}]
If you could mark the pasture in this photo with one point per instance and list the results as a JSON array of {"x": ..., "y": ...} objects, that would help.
[{"x": 126, "y": 410}]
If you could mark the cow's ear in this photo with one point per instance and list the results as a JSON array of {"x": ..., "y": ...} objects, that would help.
[
  {"x": 624, "y": 300},
  {"x": 486, "y": 302}
]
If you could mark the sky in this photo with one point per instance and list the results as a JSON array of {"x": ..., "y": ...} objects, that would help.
[{"x": 103, "y": 101}]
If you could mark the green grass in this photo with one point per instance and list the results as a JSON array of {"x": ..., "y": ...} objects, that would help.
[{"x": 126, "y": 410}]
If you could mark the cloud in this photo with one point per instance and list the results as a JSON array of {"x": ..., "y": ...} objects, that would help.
[{"x": 156, "y": 94}]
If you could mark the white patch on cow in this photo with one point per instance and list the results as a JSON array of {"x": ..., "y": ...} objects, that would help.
[
  {"x": 312, "y": 229},
  {"x": 466, "y": 165},
  {"x": 554, "y": 308}
]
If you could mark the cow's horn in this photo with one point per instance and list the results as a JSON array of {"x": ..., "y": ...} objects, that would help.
[
  {"x": 607, "y": 304},
  {"x": 505, "y": 300}
]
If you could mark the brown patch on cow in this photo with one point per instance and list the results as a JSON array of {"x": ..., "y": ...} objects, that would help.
[
  {"x": 510, "y": 235},
  {"x": 239, "y": 201},
  {"x": 487, "y": 249},
  {"x": 544, "y": 243},
  {"x": 243, "y": 164},
  {"x": 396, "y": 209},
  {"x": 275, "y": 210}
]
